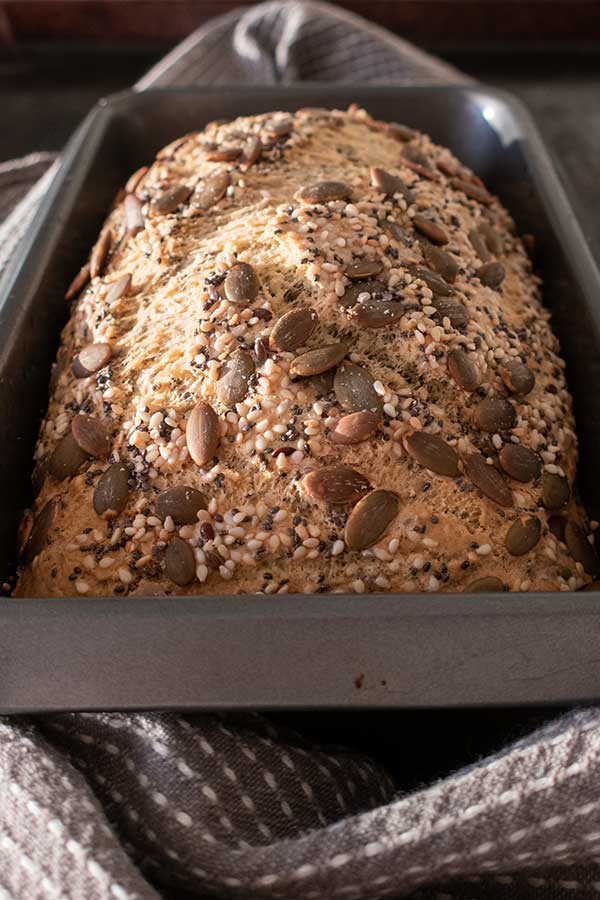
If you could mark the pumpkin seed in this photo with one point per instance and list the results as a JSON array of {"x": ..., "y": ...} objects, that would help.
[
  {"x": 233, "y": 384},
  {"x": 134, "y": 218},
  {"x": 441, "y": 262},
  {"x": 419, "y": 164},
  {"x": 100, "y": 251},
  {"x": 251, "y": 152},
  {"x": 401, "y": 132},
  {"x": 495, "y": 414},
  {"x": 520, "y": 462},
  {"x": 336, "y": 484},
  {"x": 91, "y": 359},
  {"x": 557, "y": 524},
  {"x": 241, "y": 284},
  {"x": 555, "y": 490},
  {"x": 377, "y": 312},
  {"x": 67, "y": 458},
  {"x": 354, "y": 390},
  {"x": 474, "y": 191},
  {"x": 91, "y": 435},
  {"x": 489, "y": 481},
  {"x": 182, "y": 503},
  {"x": 118, "y": 288},
  {"x": 464, "y": 369},
  {"x": 210, "y": 189},
  {"x": 169, "y": 201},
  {"x": 134, "y": 181},
  {"x": 363, "y": 268},
  {"x": 180, "y": 563},
  {"x": 79, "y": 282},
  {"x": 353, "y": 291},
  {"x": 390, "y": 184},
  {"x": 43, "y": 524},
  {"x": 518, "y": 378},
  {"x": 487, "y": 585},
  {"x": 432, "y": 452},
  {"x": 580, "y": 548},
  {"x": 355, "y": 427},
  {"x": 202, "y": 433},
  {"x": 492, "y": 239},
  {"x": 324, "y": 191},
  {"x": 523, "y": 535},
  {"x": 433, "y": 281},
  {"x": 479, "y": 245},
  {"x": 370, "y": 519},
  {"x": 491, "y": 274},
  {"x": 434, "y": 232},
  {"x": 456, "y": 312},
  {"x": 293, "y": 328},
  {"x": 313, "y": 362},
  {"x": 112, "y": 491}
]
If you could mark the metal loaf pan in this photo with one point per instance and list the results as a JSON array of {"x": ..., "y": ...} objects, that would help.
[{"x": 274, "y": 652}]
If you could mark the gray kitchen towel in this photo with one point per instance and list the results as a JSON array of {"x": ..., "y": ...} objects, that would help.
[{"x": 116, "y": 807}]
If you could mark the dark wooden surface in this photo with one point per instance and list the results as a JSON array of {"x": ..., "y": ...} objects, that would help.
[{"x": 440, "y": 20}]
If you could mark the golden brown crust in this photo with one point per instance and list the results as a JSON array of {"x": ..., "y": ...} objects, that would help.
[{"x": 211, "y": 201}]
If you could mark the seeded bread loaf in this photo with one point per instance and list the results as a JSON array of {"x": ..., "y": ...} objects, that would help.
[{"x": 307, "y": 354}]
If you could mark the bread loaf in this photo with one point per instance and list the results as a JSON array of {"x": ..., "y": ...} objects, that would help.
[{"x": 308, "y": 354}]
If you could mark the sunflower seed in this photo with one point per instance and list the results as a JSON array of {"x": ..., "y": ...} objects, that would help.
[
  {"x": 401, "y": 132},
  {"x": 492, "y": 239},
  {"x": 518, "y": 378},
  {"x": 432, "y": 452},
  {"x": 354, "y": 390},
  {"x": 171, "y": 149},
  {"x": 395, "y": 231},
  {"x": 479, "y": 245},
  {"x": 260, "y": 351},
  {"x": 67, "y": 458},
  {"x": 555, "y": 490},
  {"x": 112, "y": 491},
  {"x": 313, "y": 362},
  {"x": 419, "y": 164},
  {"x": 182, "y": 503},
  {"x": 377, "y": 312},
  {"x": 170, "y": 200},
  {"x": 489, "y": 481},
  {"x": 134, "y": 218},
  {"x": 224, "y": 154},
  {"x": 370, "y": 519},
  {"x": 464, "y": 369},
  {"x": 355, "y": 427},
  {"x": 43, "y": 524},
  {"x": 456, "y": 312},
  {"x": 390, "y": 184},
  {"x": 134, "y": 181},
  {"x": 241, "y": 284},
  {"x": 474, "y": 191},
  {"x": 202, "y": 433},
  {"x": 491, "y": 274},
  {"x": 441, "y": 262},
  {"x": 523, "y": 535},
  {"x": 353, "y": 291},
  {"x": 79, "y": 282},
  {"x": 180, "y": 563},
  {"x": 363, "y": 268},
  {"x": 434, "y": 232},
  {"x": 233, "y": 384},
  {"x": 279, "y": 128},
  {"x": 118, "y": 288},
  {"x": 487, "y": 585},
  {"x": 520, "y": 462},
  {"x": 324, "y": 191},
  {"x": 91, "y": 435},
  {"x": 251, "y": 152},
  {"x": 100, "y": 252},
  {"x": 293, "y": 328},
  {"x": 210, "y": 189},
  {"x": 91, "y": 359},
  {"x": 495, "y": 414},
  {"x": 336, "y": 484},
  {"x": 580, "y": 548},
  {"x": 24, "y": 530}
]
